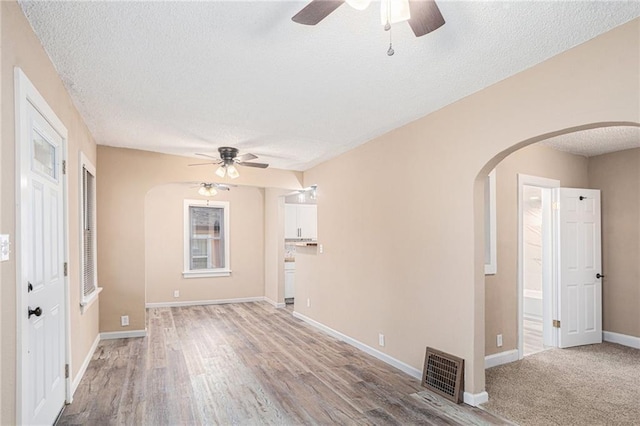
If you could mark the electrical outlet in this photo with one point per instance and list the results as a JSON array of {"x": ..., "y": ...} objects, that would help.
[
  {"x": 381, "y": 339},
  {"x": 176, "y": 293},
  {"x": 124, "y": 320},
  {"x": 308, "y": 302},
  {"x": 320, "y": 248},
  {"x": 4, "y": 247},
  {"x": 499, "y": 340}
]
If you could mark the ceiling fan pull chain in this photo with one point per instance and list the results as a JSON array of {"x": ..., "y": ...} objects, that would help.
[{"x": 387, "y": 27}]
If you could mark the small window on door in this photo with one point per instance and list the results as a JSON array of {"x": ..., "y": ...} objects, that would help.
[
  {"x": 206, "y": 239},
  {"x": 88, "y": 243}
]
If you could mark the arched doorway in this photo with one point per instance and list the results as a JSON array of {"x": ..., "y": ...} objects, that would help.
[{"x": 500, "y": 300}]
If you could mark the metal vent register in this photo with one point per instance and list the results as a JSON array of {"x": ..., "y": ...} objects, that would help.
[{"x": 444, "y": 374}]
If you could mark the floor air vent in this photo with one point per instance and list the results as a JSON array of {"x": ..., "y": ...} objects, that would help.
[{"x": 444, "y": 374}]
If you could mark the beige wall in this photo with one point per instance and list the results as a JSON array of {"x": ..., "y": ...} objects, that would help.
[
  {"x": 403, "y": 251},
  {"x": 164, "y": 241},
  {"x": 501, "y": 289},
  {"x": 20, "y": 47},
  {"x": 617, "y": 175},
  {"x": 125, "y": 177}
]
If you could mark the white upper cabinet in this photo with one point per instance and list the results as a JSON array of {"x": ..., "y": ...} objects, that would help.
[
  {"x": 301, "y": 221},
  {"x": 308, "y": 221},
  {"x": 290, "y": 221}
]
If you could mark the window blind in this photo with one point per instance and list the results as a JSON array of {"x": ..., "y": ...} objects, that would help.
[{"x": 88, "y": 237}]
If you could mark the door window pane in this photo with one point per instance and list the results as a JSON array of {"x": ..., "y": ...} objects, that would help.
[{"x": 44, "y": 156}]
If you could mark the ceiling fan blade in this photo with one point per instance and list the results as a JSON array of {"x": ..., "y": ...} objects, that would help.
[
  {"x": 425, "y": 17},
  {"x": 316, "y": 11},
  {"x": 208, "y": 156},
  {"x": 258, "y": 165},
  {"x": 204, "y": 164},
  {"x": 245, "y": 157}
]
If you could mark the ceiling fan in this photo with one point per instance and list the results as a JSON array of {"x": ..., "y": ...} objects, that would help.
[
  {"x": 228, "y": 160},
  {"x": 209, "y": 189},
  {"x": 423, "y": 15}
]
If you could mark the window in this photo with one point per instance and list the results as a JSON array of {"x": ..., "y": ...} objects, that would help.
[
  {"x": 490, "y": 251},
  {"x": 206, "y": 239},
  {"x": 88, "y": 243}
]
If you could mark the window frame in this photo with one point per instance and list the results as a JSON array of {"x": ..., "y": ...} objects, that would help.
[
  {"x": 87, "y": 300},
  {"x": 225, "y": 271},
  {"x": 490, "y": 225}
]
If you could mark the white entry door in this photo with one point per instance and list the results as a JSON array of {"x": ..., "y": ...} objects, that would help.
[
  {"x": 42, "y": 365},
  {"x": 579, "y": 267}
]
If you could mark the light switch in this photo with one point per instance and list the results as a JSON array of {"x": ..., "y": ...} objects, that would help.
[{"x": 4, "y": 247}]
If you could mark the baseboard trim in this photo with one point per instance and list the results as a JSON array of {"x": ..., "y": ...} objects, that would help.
[
  {"x": 501, "y": 358},
  {"x": 85, "y": 364},
  {"x": 621, "y": 339},
  {"x": 414, "y": 372},
  {"x": 274, "y": 303},
  {"x": 122, "y": 334},
  {"x": 204, "y": 302},
  {"x": 475, "y": 399}
]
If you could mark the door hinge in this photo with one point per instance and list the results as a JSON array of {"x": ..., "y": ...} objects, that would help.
[
  {"x": 64, "y": 167},
  {"x": 66, "y": 371},
  {"x": 556, "y": 206},
  {"x": 66, "y": 268},
  {"x": 556, "y": 323}
]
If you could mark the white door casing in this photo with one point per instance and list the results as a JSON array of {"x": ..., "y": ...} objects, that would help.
[
  {"x": 41, "y": 253},
  {"x": 579, "y": 267}
]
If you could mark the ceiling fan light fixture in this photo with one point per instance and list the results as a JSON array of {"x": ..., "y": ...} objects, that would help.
[
  {"x": 392, "y": 11},
  {"x": 359, "y": 4},
  {"x": 222, "y": 171},
  {"x": 232, "y": 172},
  {"x": 207, "y": 190}
]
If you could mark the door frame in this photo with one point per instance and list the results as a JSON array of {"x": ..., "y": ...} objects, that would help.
[
  {"x": 549, "y": 303},
  {"x": 25, "y": 94}
]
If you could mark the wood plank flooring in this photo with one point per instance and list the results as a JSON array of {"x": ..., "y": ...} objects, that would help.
[{"x": 249, "y": 364}]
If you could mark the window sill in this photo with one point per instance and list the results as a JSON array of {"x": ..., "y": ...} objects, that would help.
[
  {"x": 90, "y": 301},
  {"x": 207, "y": 273}
]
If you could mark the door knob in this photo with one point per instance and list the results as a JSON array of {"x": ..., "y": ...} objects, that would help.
[
  {"x": 598, "y": 276},
  {"x": 37, "y": 311}
]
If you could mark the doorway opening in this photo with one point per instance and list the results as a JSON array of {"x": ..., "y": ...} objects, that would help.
[{"x": 536, "y": 287}]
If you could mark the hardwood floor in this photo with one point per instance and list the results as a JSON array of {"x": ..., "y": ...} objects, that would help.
[{"x": 249, "y": 364}]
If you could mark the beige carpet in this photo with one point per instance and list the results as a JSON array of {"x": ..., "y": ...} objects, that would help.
[{"x": 587, "y": 385}]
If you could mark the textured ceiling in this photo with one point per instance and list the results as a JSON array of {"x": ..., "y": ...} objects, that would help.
[
  {"x": 186, "y": 77},
  {"x": 597, "y": 141}
]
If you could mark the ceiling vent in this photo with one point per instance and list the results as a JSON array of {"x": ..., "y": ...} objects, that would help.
[{"x": 444, "y": 374}]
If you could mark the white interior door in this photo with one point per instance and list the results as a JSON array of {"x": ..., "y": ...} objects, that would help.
[
  {"x": 579, "y": 267},
  {"x": 42, "y": 281}
]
